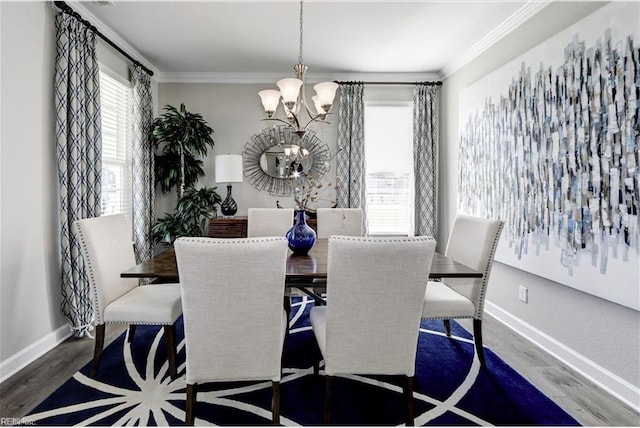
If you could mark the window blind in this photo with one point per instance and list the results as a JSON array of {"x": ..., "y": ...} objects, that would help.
[
  {"x": 388, "y": 134},
  {"x": 116, "y": 104}
]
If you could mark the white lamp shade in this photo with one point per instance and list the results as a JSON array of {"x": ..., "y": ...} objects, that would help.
[
  {"x": 326, "y": 92},
  {"x": 270, "y": 99},
  {"x": 228, "y": 168},
  {"x": 316, "y": 102},
  {"x": 289, "y": 88}
]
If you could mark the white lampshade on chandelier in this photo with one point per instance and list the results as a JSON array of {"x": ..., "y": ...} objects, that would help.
[{"x": 294, "y": 100}]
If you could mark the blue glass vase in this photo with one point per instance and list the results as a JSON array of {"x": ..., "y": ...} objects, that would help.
[{"x": 301, "y": 236}]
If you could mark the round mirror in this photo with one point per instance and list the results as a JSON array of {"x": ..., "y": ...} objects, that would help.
[{"x": 275, "y": 156}]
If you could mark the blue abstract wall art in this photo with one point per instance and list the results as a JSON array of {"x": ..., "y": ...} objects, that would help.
[{"x": 557, "y": 156}]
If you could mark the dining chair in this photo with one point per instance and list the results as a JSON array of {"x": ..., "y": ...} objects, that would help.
[
  {"x": 334, "y": 221},
  {"x": 473, "y": 242},
  {"x": 107, "y": 250},
  {"x": 269, "y": 221},
  {"x": 232, "y": 332},
  {"x": 371, "y": 322},
  {"x": 339, "y": 221}
]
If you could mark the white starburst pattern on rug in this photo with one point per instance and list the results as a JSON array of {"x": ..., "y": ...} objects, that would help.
[{"x": 153, "y": 395}]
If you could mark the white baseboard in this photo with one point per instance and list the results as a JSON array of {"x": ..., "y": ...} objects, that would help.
[
  {"x": 21, "y": 359},
  {"x": 610, "y": 382}
]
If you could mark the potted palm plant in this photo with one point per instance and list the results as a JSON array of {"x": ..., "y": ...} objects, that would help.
[
  {"x": 179, "y": 138},
  {"x": 190, "y": 217}
]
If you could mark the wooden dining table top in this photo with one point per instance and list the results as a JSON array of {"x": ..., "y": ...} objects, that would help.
[{"x": 163, "y": 266}]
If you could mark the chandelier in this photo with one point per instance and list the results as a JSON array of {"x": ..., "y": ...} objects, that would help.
[{"x": 293, "y": 97}]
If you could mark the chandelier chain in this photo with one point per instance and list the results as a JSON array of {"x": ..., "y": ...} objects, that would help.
[{"x": 300, "y": 54}]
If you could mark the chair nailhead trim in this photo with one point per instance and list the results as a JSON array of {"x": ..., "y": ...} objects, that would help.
[
  {"x": 97, "y": 313},
  {"x": 487, "y": 269},
  {"x": 384, "y": 240},
  {"x": 227, "y": 241}
]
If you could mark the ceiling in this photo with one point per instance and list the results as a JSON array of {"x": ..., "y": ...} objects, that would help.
[{"x": 340, "y": 38}]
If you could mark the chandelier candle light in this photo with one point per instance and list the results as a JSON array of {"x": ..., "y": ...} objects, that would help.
[
  {"x": 228, "y": 170},
  {"x": 293, "y": 97}
]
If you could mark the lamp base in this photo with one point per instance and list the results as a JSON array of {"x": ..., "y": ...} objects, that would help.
[{"x": 229, "y": 206}]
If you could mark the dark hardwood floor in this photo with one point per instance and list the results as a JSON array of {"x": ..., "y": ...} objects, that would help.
[
  {"x": 577, "y": 395},
  {"x": 30, "y": 386},
  {"x": 585, "y": 401}
]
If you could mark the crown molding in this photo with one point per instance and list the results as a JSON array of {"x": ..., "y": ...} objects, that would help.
[
  {"x": 212, "y": 77},
  {"x": 110, "y": 34},
  {"x": 271, "y": 78},
  {"x": 518, "y": 18}
]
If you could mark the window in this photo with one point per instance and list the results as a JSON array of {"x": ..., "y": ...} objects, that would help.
[
  {"x": 116, "y": 104},
  {"x": 388, "y": 135}
]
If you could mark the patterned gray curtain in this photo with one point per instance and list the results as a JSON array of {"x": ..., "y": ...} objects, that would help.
[
  {"x": 350, "y": 166},
  {"x": 79, "y": 145},
  {"x": 142, "y": 164},
  {"x": 425, "y": 156}
]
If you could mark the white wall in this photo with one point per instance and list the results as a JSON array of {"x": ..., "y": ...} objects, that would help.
[
  {"x": 29, "y": 290},
  {"x": 605, "y": 335}
]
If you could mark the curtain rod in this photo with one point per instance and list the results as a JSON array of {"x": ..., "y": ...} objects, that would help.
[
  {"x": 437, "y": 83},
  {"x": 65, "y": 8}
]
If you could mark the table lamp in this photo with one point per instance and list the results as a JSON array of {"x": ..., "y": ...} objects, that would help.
[{"x": 228, "y": 170}]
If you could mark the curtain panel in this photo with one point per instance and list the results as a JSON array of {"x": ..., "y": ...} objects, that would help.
[
  {"x": 143, "y": 193},
  {"x": 425, "y": 157},
  {"x": 78, "y": 141},
  {"x": 350, "y": 162}
]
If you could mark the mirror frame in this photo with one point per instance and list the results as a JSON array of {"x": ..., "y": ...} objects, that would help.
[{"x": 282, "y": 134}]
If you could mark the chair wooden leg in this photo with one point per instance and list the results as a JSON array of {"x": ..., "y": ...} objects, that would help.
[
  {"x": 327, "y": 400},
  {"x": 170, "y": 338},
  {"x": 287, "y": 309},
  {"x": 477, "y": 338},
  {"x": 275, "y": 404},
  {"x": 447, "y": 327},
  {"x": 189, "y": 418},
  {"x": 408, "y": 392},
  {"x": 97, "y": 350},
  {"x": 132, "y": 332}
]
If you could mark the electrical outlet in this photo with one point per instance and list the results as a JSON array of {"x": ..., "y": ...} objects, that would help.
[{"x": 523, "y": 294}]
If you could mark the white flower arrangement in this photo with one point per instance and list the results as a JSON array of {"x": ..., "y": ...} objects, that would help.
[{"x": 308, "y": 190}]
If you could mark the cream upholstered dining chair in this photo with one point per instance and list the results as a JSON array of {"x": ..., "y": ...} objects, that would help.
[
  {"x": 339, "y": 221},
  {"x": 371, "y": 322},
  {"x": 231, "y": 332},
  {"x": 473, "y": 242},
  {"x": 269, "y": 221},
  {"x": 107, "y": 251},
  {"x": 334, "y": 221}
]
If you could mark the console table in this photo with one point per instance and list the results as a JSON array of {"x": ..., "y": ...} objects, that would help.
[
  {"x": 227, "y": 227},
  {"x": 236, "y": 227}
]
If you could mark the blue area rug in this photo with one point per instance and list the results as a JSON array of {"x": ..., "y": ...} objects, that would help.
[{"x": 133, "y": 388}]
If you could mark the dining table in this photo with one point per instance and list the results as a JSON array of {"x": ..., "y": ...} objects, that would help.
[{"x": 300, "y": 268}]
